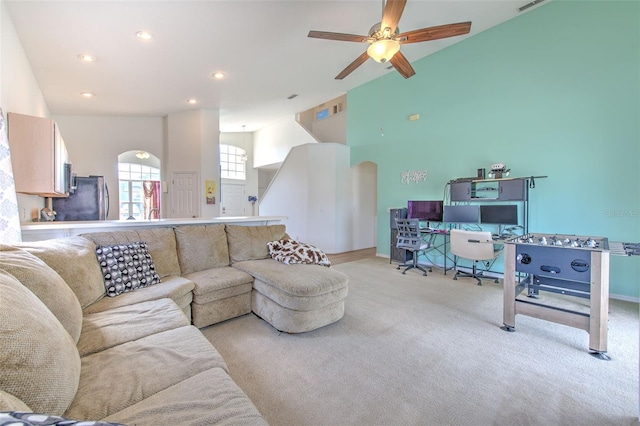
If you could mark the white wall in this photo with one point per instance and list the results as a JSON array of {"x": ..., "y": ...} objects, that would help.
[
  {"x": 20, "y": 93},
  {"x": 272, "y": 143},
  {"x": 327, "y": 203},
  {"x": 288, "y": 195},
  {"x": 332, "y": 128},
  {"x": 244, "y": 140},
  {"x": 191, "y": 145},
  {"x": 94, "y": 144},
  {"x": 265, "y": 176},
  {"x": 364, "y": 195},
  {"x": 329, "y": 197},
  {"x": 210, "y": 159},
  {"x": 313, "y": 190},
  {"x": 19, "y": 90}
]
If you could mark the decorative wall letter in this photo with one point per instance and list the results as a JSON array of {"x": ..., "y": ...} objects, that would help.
[{"x": 415, "y": 176}]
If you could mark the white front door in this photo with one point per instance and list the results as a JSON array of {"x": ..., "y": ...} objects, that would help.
[
  {"x": 184, "y": 195},
  {"x": 232, "y": 203}
]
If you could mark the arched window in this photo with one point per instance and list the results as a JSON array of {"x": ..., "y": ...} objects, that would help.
[
  {"x": 232, "y": 162},
  {"x": 139, "y": 191}
]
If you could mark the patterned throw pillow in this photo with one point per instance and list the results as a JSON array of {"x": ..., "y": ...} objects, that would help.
[
  {"x": 126, "y": 267},
  {"x": 20, "y": 418},
  {"x": 291, "y": 251}
]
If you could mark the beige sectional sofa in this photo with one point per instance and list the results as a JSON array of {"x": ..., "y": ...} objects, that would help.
[{"x": 138, "y": 358}]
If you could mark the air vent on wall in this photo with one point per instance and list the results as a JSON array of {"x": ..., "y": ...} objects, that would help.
[{"x": 528, "y": 5}]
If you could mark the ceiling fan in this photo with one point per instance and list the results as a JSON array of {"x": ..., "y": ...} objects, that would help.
[{"x": 385, "y": 39}]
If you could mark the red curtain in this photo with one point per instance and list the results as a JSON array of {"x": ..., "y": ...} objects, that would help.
[{"x": 151, "y": 198}]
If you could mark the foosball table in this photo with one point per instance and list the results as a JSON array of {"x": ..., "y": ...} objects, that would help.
[{"x": 567, "y": 265}]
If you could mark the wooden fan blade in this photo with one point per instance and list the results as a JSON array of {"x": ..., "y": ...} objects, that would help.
[
  {"x": 338, "y": 36},
  {"x": 434, "y": 33},
  {"x": 353, "y": 65},
  {"x": 391, "y": 15},
  {"x": 400, "y": 63}
]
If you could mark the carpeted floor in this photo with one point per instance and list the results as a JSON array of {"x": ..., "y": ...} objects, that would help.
[{"x": 415, "y": 350}]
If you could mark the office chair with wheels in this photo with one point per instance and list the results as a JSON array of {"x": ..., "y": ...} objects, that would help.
[
  {"x": 476, "y": 246},
  {"x": 410, "y": 238}
]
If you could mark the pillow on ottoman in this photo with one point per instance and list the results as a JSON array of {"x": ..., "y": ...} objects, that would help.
[
  {"x": 45, "y": 283},
  {"x": 39, "y": 362},
  {"x": 291, "y": 251}
]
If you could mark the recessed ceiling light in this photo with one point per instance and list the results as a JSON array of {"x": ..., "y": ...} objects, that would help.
[
  {"x": 144, "y": 35},
  {"x": 88, "y": 94},
  {"x": 192, "y": 101},
  {"x": 219, "y": 75},
  {"x": 86, "y": 58}
]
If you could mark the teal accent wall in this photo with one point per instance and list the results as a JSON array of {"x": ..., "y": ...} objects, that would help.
[{"x": 555, "y": 92}]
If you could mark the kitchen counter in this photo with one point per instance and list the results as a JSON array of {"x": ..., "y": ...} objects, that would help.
[{"x": 36, "y": 231}]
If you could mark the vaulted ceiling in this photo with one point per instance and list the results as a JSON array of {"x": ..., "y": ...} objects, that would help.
[{"x": 261, "y": 46}]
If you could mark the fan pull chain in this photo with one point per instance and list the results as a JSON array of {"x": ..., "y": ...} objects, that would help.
[{"x": 382, "y": 97}]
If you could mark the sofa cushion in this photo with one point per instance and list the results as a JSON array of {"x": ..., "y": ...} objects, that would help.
[
  {"x": 83, "y": 275},
  {"x": 126, "y": 267},
  {"x": 104, "y": 330},
  {"x": 39, "y": 362},
  {"x": 217, "y": 311},
  {"x": 250, "y": 242},
  {"x": 9, "y": 402},
  {"x": 293, "y": 320},
  {"x": 174, "y": 288},
  {"x": 298, "y": 280},
  {"x": 161, "y": 243},
  {"x": 201, "y": 247},
  {"x": 45, "y": 283},
  {"x": 194, "y": 402},
  {"x": 219, "y": 283},
  {"x": 123, "y": 375}
]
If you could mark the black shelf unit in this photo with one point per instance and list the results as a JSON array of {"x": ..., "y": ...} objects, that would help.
[
  {"x": 491, "y": 190},
  {"x": 506, "y": 190}
]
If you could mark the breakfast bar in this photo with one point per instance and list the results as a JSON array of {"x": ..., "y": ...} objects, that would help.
[{"x": 37, "y": 231}]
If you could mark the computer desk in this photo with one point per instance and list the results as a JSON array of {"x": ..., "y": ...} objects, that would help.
[{"x": 440, "y": 245}]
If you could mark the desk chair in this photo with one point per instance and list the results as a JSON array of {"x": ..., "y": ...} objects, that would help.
[
  {"x": 474, "y": 245},
  {"x": 410, "y": 238}
]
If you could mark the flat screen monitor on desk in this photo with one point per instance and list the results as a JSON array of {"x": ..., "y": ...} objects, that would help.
[
  {"x": 461, "y": 214},
  {"x": 429, "y": 211},
  {"x": 499, "y": 214}
]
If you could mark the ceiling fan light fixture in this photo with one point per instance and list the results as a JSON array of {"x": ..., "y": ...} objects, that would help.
[{"x": 383, "y": 50}]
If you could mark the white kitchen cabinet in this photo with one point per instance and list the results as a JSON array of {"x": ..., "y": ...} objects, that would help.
[{"x": 38, "y": 156}]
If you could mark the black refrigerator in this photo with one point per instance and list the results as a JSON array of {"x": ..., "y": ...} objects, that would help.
[{"x": 89, "y": 200}]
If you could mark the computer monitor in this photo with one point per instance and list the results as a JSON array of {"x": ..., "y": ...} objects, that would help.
[
  {"x": 461, "y": 214},
  {"x": 429, "y": 211},
  {"x": 500, "y": 214}
]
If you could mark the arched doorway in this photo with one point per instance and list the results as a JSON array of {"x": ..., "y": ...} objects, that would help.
[
  {"x": 139, "y": 188},
  {"x": 364, "y": 181}
]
